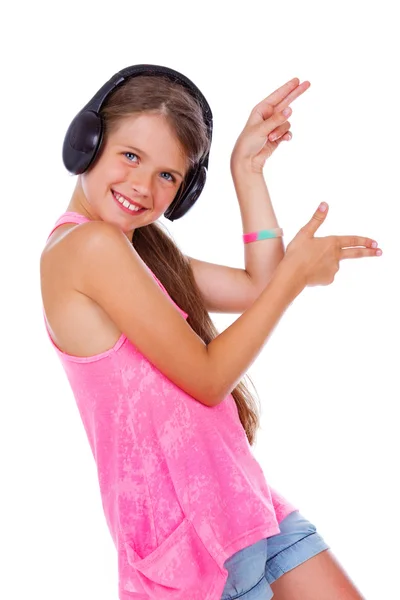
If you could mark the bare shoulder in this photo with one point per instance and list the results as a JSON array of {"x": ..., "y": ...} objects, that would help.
[
  {"x": 72, "y": 236},
  {"x": 101, "y": 251},
  {"x": 103, "y": 268},
  {"x": 69, "y": 245},
  {"x": 92, "y": 231},
  {"x": 77, "y": 324}
]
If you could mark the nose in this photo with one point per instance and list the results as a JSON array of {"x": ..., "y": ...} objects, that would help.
[{"x": 141, "y": 182}]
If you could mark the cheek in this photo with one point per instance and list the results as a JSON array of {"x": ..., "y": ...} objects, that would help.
[
  {"x": 115, "y": 172},
  {"x": 117, "y": 169},
  {"x": 164, "y": 198},
  {"x": 105, "y": 175}
]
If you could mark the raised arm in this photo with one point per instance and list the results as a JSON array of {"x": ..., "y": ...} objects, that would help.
[
  {"x": 113, "y": 275},
  {"x": 266, "y": 127}
]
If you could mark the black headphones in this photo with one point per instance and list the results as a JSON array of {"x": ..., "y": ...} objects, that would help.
[{"x": 85, "y": 134}]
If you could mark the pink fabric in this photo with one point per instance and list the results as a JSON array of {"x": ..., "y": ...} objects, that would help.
[{"x": 180, "y": 487}]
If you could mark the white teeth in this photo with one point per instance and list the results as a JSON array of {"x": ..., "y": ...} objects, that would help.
[{"x": 125, "y": 203}]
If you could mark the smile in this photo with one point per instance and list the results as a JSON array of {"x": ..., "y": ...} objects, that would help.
[{"x": 128, "y": 206}]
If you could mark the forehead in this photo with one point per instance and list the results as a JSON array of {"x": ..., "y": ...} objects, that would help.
[{"x": 153, "y": 135}]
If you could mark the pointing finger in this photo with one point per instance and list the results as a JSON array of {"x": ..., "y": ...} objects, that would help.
[
  {"x": 282, "y": 92},
  {"x": 300, "y": 89},
  {"x": 348, "y": 241},
  {"x": 359, "y": 253}
]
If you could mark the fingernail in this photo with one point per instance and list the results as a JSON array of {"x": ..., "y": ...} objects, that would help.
[
  {"x": 287, "y": 112},
  {"x": 322, "y": 207},
  {"x": 374, "y": 245},
  {"x": 378, "y": 253}
]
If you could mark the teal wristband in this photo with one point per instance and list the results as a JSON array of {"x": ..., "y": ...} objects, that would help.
[{"x": 263, "y": 234}]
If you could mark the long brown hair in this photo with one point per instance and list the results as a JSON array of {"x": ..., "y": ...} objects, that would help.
[{"x": 159, "y": 95}]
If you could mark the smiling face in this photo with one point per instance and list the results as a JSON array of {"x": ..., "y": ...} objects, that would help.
[{"x": 141, "y": 165}]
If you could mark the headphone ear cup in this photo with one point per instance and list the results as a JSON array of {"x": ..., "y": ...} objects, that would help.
[
  {"x": 82, "y": 141},
  {"x": 184, "y": 202}
]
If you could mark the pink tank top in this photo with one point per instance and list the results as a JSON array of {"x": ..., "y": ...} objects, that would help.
[{"x": 181, "y": 490}]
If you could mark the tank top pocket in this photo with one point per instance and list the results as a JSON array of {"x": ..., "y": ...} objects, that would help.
[{"x": 179, "y": 569}]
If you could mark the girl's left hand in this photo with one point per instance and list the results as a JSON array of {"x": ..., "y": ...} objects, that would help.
[{"x": 266, "y": 128}]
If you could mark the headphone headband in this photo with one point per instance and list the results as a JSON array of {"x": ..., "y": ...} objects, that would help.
[{"x": 85, "y": 134}]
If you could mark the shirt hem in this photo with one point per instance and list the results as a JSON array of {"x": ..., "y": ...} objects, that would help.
[{"x": 217, "y": 585}]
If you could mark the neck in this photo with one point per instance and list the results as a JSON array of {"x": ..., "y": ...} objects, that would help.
[{"x": 80, "y": 205}]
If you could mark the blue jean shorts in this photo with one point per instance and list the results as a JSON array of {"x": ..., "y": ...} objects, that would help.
[{"x": 253, "y": 569}]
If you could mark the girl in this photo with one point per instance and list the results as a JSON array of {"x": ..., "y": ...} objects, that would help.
[{"x": 168, "y": 419}]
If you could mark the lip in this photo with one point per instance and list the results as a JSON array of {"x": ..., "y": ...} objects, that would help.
[
  {"x": 129, "y": 199},
  {"x": 129, "y": 212}
]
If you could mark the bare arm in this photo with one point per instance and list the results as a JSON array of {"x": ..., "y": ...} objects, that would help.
[
  {"x": 224, "y": 289},
  {"x": 260, "y": 258},
  {"x": 113, "y": 275},
  {"x": 233, "y": 351}
]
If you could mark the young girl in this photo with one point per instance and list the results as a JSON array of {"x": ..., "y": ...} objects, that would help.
[{"x": 168, "y": 419}]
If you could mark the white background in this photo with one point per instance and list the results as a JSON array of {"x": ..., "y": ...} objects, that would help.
[{"x": 327, "y": 378}]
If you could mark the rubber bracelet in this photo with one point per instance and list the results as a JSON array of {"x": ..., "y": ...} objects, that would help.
[{"x": 264, "y": 234}]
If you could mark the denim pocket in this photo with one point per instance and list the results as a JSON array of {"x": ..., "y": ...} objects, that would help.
[
  {"x": 246, "y": 570},
  {"x": 179, "y": 569}
]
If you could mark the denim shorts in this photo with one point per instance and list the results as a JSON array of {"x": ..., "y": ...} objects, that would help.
[{"x": 254, "y": 568}]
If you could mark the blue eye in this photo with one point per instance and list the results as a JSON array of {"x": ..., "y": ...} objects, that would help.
[
  {"x": 173, "y": 179},
  {"x": 131, "y": 153}
]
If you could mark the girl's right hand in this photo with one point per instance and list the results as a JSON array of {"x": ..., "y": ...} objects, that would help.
[{"x": 316, "y": 260}]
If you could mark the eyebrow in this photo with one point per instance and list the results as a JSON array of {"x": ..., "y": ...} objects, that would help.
[{"x": 147, "y": 156}]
